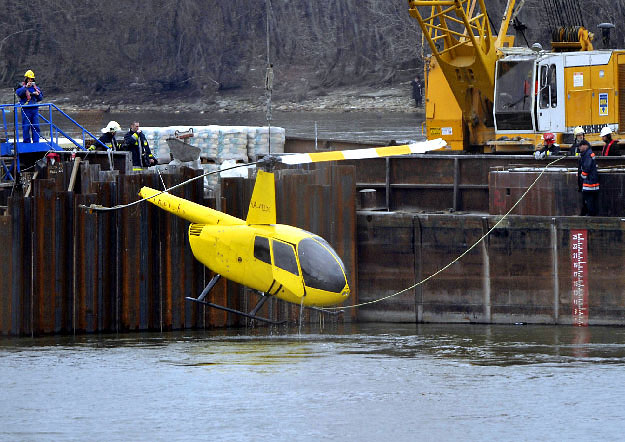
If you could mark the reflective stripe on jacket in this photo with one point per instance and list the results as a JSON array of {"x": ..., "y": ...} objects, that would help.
[{"x": 587, "y": 170}]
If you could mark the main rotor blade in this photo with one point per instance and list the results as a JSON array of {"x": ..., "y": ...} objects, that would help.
[{"x": 359, "y": 154}]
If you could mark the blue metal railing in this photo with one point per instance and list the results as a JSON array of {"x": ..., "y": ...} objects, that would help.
[{"x": 55, "y": 130}]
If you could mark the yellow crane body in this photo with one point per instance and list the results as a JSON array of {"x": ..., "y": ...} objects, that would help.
[{"x": 484, "y": 95}]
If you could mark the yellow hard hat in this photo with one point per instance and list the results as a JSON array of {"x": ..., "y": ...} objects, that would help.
[{"x": 29, "y": 74}]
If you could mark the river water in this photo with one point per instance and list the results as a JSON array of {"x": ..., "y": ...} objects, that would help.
[
  {"x": 359, "y": 126},
  {"x": 346, "y": 382}
]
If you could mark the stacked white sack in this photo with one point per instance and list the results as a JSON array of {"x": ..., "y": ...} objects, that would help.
[
  {"x": 157, "y": 138},
  {"x": 258, "y": 141},
  {"x": 219, "y": 143},
  {"x": 232, "y": 143}
]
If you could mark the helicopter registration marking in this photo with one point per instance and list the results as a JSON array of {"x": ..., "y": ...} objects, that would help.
[{"x": 260, "y": 206}]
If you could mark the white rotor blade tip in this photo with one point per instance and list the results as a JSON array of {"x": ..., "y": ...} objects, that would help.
[
  {"x": 298, "y": 158},
  {"x": 425, "y": 146}
]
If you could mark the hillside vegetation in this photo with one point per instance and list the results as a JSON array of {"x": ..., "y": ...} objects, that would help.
[{"x": 196, "y": 48}]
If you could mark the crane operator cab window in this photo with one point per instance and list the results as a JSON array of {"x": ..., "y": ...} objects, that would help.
[
  {"x": 513, "y": 94},
  {"x": 548, "y": 87}
]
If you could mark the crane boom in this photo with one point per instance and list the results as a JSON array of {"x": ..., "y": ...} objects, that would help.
[
  {"x": 468, "y": 54},
  {"x": 464, "y": 55}
]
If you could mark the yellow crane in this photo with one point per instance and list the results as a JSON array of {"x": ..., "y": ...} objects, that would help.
[{"x": 482, "y": 94}]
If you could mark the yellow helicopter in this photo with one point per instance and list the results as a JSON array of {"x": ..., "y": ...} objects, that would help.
[{"x": 275, "y": 259}]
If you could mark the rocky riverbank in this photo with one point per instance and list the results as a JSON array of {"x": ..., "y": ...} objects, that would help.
[{"x": 396, "y": 98}]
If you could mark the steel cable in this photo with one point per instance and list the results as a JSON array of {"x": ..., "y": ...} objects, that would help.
[
  {"x": 423, "y": 281},
  {"x": 99, "y": 208}
]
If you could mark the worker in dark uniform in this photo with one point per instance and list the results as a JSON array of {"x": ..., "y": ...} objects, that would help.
[
  {"x": 108, "y": 137},
  {"x": 549, "y": 147},
  {"x": 609, "y": 145},
  {"x": 579, "y": 134},
  {"x": 588, "y": 179},
  {"x": 135, "y": 142},
  {"x": 29, "y": 94},
  {"x": 417, "y": 91}
]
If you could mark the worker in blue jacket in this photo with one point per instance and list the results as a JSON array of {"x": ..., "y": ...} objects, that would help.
[
  {"x": 29, "y": 93},
  {"x": 588, "y": 179},
  {"x": 135, "y": 142}
]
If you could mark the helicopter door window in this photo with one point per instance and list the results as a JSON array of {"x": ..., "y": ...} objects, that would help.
[
  {"x": 284, "y": 257},
  {"x": 261, "y": 249}
]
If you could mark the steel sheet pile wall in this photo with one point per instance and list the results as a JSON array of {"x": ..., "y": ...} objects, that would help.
[
  {"x": 319, "y": 199},
  {"x": 555, "y": 194},
  {"x": 386, "y": 264},
  {"x": 523, "y": 272},
  {"x": 435, "y": 182},
  {"x": 64, "y": 269}
]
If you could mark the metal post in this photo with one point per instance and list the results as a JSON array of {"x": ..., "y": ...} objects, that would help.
[
  {"x": 554, "y": 266},
  {"x": 388, "y": 184},
  {"x": 486, "y": 273},
  {"x": 418, "y": 263},
  {"x": 456, "y": 184}
]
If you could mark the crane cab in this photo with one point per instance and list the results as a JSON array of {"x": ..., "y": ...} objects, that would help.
[{"x": 555, "y": 92}]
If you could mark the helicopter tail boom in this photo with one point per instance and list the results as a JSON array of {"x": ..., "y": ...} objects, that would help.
[{"x": 193, "y": 212}]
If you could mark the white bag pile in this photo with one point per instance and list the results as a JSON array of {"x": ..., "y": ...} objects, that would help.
[
  {"x": 218, "y": 144},
  {"x": 258, "y": 141},
  {"x": 231, "y": 143}
]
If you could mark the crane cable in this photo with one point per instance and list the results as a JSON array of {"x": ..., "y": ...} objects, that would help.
[
  {"x": 442, "y": 269},
  {"x": 268, "y": 74},
  {"x": 100, "y": 208}
]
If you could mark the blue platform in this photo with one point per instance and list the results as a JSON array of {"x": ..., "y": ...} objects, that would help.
[
  {"x": 6, "y": 149},
  {"x": 50, "y": 134}
]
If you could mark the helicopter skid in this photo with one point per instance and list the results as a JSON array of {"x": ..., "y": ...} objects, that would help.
[
  {"x": 236, "y": 312},
  {"x": 251, "y": 315}
]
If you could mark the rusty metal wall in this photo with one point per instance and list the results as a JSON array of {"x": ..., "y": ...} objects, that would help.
[
  {"x": 386, "y": 261},
  {"x": 68, "y": 270},
  {"x": 444, "y": 182},
  {"x": 522, "y": 273},
  {"x": 556, "y": 193}
]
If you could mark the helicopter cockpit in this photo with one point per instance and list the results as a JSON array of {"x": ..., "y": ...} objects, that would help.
[
  {"x": 307, "y": 267},
  {"x": 314, "y": 255}
]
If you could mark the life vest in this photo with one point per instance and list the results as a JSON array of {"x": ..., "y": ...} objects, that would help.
[{"x": 606, "y": 149}]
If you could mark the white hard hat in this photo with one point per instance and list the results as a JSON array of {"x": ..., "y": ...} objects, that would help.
[
  {"x": 113, "y": 126},
  {"x": 579, "y": 130},
  {"x": 605, "y": 131}
]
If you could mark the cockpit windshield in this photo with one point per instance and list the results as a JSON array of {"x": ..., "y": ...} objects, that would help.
[
  {"x": 321, "y": 268},
  {"x": 513, "y": 100}
]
